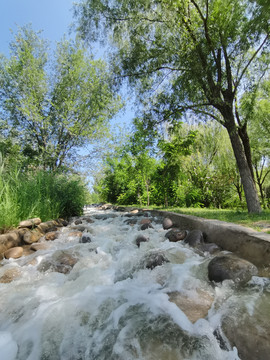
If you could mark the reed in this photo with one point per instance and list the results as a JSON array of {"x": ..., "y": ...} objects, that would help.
[{"x": 38, "y": 194}]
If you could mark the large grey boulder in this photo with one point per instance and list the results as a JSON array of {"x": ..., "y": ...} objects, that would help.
[{"x": 230, "y": 267}]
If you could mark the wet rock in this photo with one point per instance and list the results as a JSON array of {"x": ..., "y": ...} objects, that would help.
[
  {"x": 30, "y": 223},
  {"x": 147, "y": 226},
  {"x": 155, "y": 259},
  {"x": 75, "y": 234},
  {"x": 131, "y": 221},
  {"x": 167, "y": 223},
  {"x": 145, "y": 221},
  {"x": 27, "y": 250},
  {"x": 15, "y": 252},
  {"x": 10, "y": 275},
  {"x": 62, "y": 261},
  {"x": 249, "y": 332},
  {"x": 52, "y": 235},
  {"x": 39, "y": 246},
  {"x": 85, "y": 238},
  {"x": 88, "y": 220},
  {"x": 175, "y": 235},
  {"x": 31, "y": 237},
  {"x": 212, "y": 248},
  {"x": 141, "y": 238},
  {"x": 195, "y": 307},
  {"x": 231, "y": 267},
  {"x": 194, "y": 237},
  {"x": 135, "y": 211},
  {"x": 62, "y": 222},
  {"x": 78, "y": 222}
]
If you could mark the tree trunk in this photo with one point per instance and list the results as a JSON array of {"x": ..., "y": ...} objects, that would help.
[
  {"x": 246, "y": 143},
  {"x": 252, "y": 199}
]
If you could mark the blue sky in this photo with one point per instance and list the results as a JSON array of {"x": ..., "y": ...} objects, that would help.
[{"x": 51, "y": 16}]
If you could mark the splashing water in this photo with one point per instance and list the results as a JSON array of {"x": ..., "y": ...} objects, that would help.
[{"x": 104, "y": 303}]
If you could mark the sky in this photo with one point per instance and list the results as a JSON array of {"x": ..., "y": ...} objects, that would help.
[{"x": 53, "y": 17}]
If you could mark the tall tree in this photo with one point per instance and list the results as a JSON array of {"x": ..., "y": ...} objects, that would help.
[
  {"x": 56, "y": 106},
  {"x": 187, "y": 55}
]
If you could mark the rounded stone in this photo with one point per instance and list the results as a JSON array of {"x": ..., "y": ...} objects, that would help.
[
  {"x": 167, "y": 223},
  {"x": 230, "y": 267},
  {"x": 175, "y": 235},
  {"x": 14, "y": 253},
  {"x": 194, "y": 237},
  {"x": 141, "y": 238},
  {"x": 85, "y": 239},
  {"x": 146, "y": 226},
  {"x": 52, "y": 235}
]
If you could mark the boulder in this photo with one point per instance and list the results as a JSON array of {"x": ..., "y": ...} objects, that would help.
[
  {"x": 167, "y": 223},
  {"x": 10, "y": 240},
  {"x": 47, "y": 226},
  {"x": 175, "y": 235},
  {"x": 52, "y": 235},
  {"x": 27, "y": 250},
  {"x": 30, "y": 223},
  {"x": 249, "y": 331},
  {"x": 10, "y": 275},
  {"x": 194, "y": 237},
  {"x": 211, "y": 248},
  {"x": 78, "y": 222},
  {"x": 141, "y": 238},
  {"x": 231, "y": 267},
  {"x": 155, "y": 259},
  {"x": 62, "y": 261},
  {"x": 62, "y": 222},
  {"x": 15, "y": 252},
  {"x": 31, "y": 237},
  {"x": 195, "y": 307},
  {"x": 39, "y": 246}
]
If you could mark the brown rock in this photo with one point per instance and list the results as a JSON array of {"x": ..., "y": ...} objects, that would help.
[
  {"x": 30, "y": 223},
  {"x": 52, "y": 235},
  {"x": 145, "y": 221},
  {"x": 27, "y": 250},
  {"x": 10, "y": 275},
  {"x": 75, "y": 234},
  {"x": 15, "y": 252},
  {"x": 31, "y": 237},
  {"x": 10, "y": 240},
  {"x": 167, "y": 223},
  {"x": 47, "y": 226},
  {"x": 175, "y": 235},
  {"x": 195, "y": 308},
  {"x": 39, "y": 246}
]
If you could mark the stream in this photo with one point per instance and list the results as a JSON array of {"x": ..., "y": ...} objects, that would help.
[{"x": 101, "y": 300}]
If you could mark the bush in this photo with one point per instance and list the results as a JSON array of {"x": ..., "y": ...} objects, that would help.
[{"x": 39, "y": 194}]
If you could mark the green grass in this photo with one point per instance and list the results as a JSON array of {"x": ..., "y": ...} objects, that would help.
[{"x": 47, "y": 195}]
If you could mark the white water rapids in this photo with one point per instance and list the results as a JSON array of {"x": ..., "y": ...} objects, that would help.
[{"x": 110, "y": 306}]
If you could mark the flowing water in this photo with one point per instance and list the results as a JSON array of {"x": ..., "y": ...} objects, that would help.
[{"x": 102, "y": 302}]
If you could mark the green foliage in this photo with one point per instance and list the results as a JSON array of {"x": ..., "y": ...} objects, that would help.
[
  {"x": 53, "y": 107},
  {"x": 191, "y": 56},
  {"x": 41, "y": 194}
]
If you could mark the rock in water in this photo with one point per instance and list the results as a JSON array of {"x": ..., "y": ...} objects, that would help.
[
  {"x": 231, "y": 267},
  {"x": 175, "y": 235},
  {"x": 14, "y": 253},
  {"x": 167, "y": 223}
]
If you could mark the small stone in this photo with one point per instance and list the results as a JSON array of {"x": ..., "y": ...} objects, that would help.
[
  {"x": 145, "y": 221},
  {"x": 85, "y": 239},
  {"x": 155, "y": 259},
  {"x": 15, "y": 252},
  {"x": 141, "y": 238},
  {"x": 75, "y": 234},
  {"x": 146, "y": 226},
  {"x": 78, "y": 222}
]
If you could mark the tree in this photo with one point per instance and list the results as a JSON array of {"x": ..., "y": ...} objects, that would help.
[
  {"x": 187, "y": 55},
  {"x": 55, "y": 106}
]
